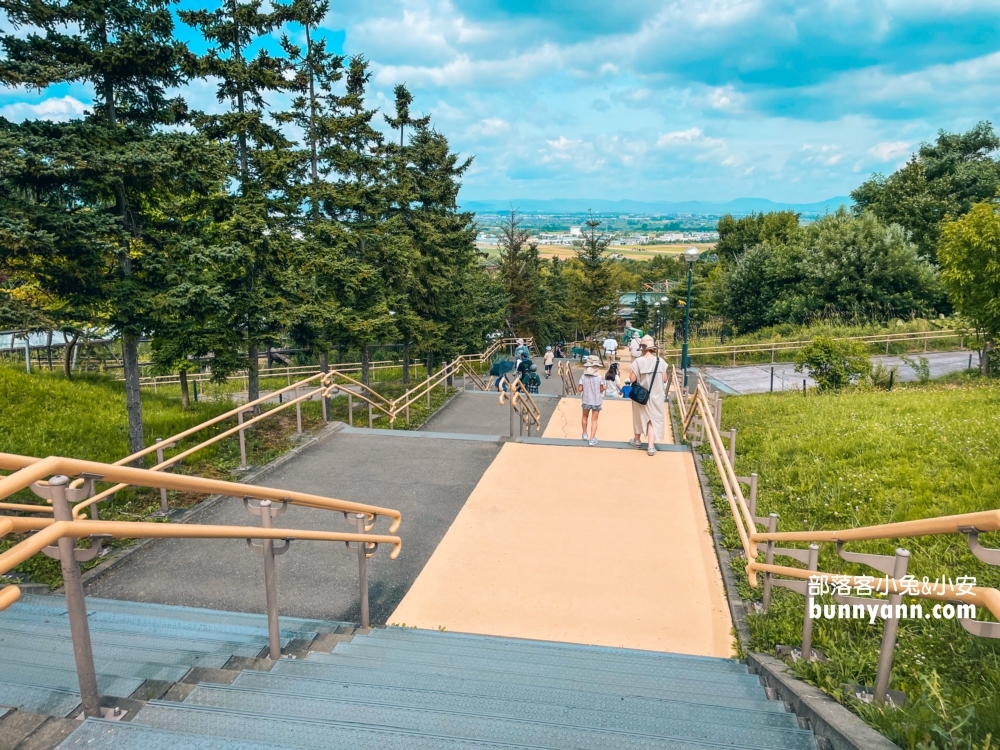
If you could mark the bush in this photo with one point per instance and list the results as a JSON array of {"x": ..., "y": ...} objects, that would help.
[
  {"x": 921, "y": 368},
  {"x": 833, "y": 364}
]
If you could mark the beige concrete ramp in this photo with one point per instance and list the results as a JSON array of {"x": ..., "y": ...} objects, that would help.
[
  {"x": 587, "y": 545},
  {"x": 615, "y": 424}
]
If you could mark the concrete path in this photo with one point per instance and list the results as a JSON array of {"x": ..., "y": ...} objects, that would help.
[
  {"x": 544, "y": 550},
  {"x": 480, "y": 413},
  {"x": 615, "y": 423},
  {"x": 428, "y": 480},
  {"x": 757, "y": 378}
]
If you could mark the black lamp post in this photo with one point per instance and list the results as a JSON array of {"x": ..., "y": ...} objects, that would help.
[
  {"x": 663, "y": 328},
  {"x": 656, "y": 320},
  {"x": 690, "y": 257}
]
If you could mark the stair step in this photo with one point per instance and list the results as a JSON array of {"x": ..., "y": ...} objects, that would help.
[
  {"x": 147, "y": 627},
  {"x": 26, "y": 674},
  {"x": 562, "y": 692},
  {"x": 186, "y": 614},
  {"x": 248, "y": 647},
  {"x": 312, "y": 734},
  {"x": 519, "y": 731},
  {"x": 104, "y": 665},
  {"x": 547, "y": 664},
  {"x": 122, "y": 735},
  {"x": 41, "y": 700},
  {"x": 556, "y": 677},
  {"x": 419, "y": 635},
  {"x": 11, "y": 642},
  {"x": 645, "y": 716},
  {"x": 144, "y": 623}
]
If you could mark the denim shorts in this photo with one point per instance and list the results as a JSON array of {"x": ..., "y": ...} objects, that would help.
[{"x": 591, "y": 407}]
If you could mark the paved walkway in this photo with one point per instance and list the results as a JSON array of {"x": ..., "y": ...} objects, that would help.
[
  {"x": 757, "y": 378},
  {"x": 557, "y": 543},
  {"x": 480, "y": 413},
  {"x": 428, "y": 480}
]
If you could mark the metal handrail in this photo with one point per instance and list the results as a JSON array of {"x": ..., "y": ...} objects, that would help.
[
  {"x": 36, "y": 469},
  {"x": 776, "y": 346},
  {"x": 893, "y": 584},
  {"x": 62, "y": 530}
]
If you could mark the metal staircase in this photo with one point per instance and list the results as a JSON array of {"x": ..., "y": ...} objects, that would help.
[{"x": 190, "y": 678}]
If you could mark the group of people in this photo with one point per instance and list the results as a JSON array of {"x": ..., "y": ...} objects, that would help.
[{"x": 648, "y": 371}]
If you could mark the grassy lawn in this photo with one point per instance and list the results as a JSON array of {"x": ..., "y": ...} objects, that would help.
[
  {"x": 870, "y": 457},
  {"x": 44, "y": 414}
]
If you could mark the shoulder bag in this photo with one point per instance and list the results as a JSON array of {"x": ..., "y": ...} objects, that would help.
[{"x": 639, "y": 393}]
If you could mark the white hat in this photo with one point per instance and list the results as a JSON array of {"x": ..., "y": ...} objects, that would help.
[
  {"x": 548, "y": 348},
  {"x": 591, "y": 366},
  {"x": 520, "y": 341},
  {"x": 648, "y": 342}
]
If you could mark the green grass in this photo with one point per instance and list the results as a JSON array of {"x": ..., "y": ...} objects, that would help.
[
  {"x": 870, "y": 457},
  {"x": 44, "y": 414}
]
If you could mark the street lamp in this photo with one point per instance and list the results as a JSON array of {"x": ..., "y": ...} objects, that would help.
[
  {"x": 656, "y": 319},
  {"x": 690, "y": 257},
  {"x": 663, "y": 330}
]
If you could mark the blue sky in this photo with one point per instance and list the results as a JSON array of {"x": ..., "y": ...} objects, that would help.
[{"x": 796, "y": 101}]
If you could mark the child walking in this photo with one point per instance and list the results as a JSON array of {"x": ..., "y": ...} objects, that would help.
[
  {"x": 613, "y": 382},
  {"x": 592, "y": 386},
  {"x": 549, "y": 358}
]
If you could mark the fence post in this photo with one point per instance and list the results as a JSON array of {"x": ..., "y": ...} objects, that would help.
[
  {"x": 732, "y": 447},
  {"x": 889, "y": 632},
  {"x": 363, "y": 570},
  {"x": 371, "y": 422},
  {"x": 164, "y": 510},
  {"x": 243, "y": 441},
  {"x": 76, "y": 604},
  {"x": 807, "y": 623},
  {"x": 326, "y": 413},
  {"x": 350, "y": 407},
  {"x": 298, "y": 413},
  {"x": 270, "y": 584},
  {"x": 772, "y": 375}
]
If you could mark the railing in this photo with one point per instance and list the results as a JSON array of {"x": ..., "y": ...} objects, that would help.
[
  {"x": 776, "y": 347},
  {"x": 524, "y": 412},
  {"x": 699, "y": 416},
  {"x": 57, "y": 537}
]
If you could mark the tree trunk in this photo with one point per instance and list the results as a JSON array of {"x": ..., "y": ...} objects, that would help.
[
  {"x": 364, "y": 364},
  {"x": 406, "y": 363},
  {"x": 133, "y": 396},
  {"x": 185, "y": 400},
  {"x": 324, "y": 362},
  {"x": 984, "y": 357},
  {"x": 430, "y": 364},
  {"x": 48, "y": 349},
  {"x": 68, "y": 356},
  {"x": 253, "y": 376}
]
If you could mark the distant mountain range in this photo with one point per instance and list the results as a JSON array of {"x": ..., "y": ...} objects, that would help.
[{"x": 740, "y": 206}]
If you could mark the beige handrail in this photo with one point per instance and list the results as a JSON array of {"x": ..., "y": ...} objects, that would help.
[
  {"x": 749, "y": 536},
  {"x": 522, "y": 402},
  {"x": 36, "y": 469}
]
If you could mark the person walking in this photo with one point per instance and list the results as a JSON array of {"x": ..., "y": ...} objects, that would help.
[
  {"x": 610, "y": 347},
  {"x": 612, "y": 382},
  {"x": 521, "y": 350},
  {"x": 591, "y": 385},
  {"x": 547, "y": 361},
  {"x": 634, "y": 348},
  {"x": 649, "y": 371}
]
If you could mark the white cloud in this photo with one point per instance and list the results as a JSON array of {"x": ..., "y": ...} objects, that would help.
[
  {"x": 489, "y": 127},
  {"x": 693, "y": 137},
  {"x": 56, "y": 109},
  {"x": 889, "y": 150}
]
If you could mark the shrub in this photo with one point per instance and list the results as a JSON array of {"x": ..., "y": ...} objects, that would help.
[
  {"x": 921, "y": 368},
  {"x": 833, "y": 364}
]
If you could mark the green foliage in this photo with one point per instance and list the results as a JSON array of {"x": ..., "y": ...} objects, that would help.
[
  {"x": 943, "y": 179},
  {"x": 970, "y": 268},
  {"x": 865, "y": 457},
  {"x": 841, "y": 265},
  {"x": 833, "y": 364},
  {"x": 921, "y": 368},
  {"x": 596, "y": 297},
  {"x": 737, "y": 236}
]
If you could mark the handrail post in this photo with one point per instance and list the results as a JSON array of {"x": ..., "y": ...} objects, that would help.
[
  {"x": 371, "y": 421},
  {"x": 76, "y": 604},
  {"x": 326, "y": 412},
  {"x": 350, "y": 408},
  {"x": 298, "y": 413},
  {"x": 164, "y": 508},
  {"x": 510, "y": 398},
  {"x": 772, "y": 526},
  {"x": 363, "y": 571},
  {"x": 732, "y": 447},
  {"x": 885, "y": 654},
  {"x": 807, "y": 623},
  {"x": 243, "y": 442},
  {"x": 270, "y": 584}
]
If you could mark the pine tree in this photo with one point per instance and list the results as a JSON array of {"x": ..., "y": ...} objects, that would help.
[
  {"x": 125, "y": 50},
  {"x": 597, "y": 295},
  {"x": 519, "y": 274},
  {"x": 255, "y": 217}
]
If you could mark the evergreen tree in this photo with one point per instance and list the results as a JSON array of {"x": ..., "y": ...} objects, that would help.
[
  {"x": 256, "y": 217},
  {"x": 596, "y": 296},
  {"x": 519, "y": 275},
  {"x": 125, "y": 50}
]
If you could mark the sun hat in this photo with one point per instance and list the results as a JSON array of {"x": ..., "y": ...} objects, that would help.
[
  {"x": 592, "y": 364},
  {"x": 548, "y": 348},
  {"x": 520, "y": 341},
  {"x": 648, "y": 342},
  {"x": 635, "y": 334}
]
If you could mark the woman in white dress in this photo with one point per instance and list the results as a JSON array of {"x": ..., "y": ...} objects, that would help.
[{"x": 648, "y": 419}]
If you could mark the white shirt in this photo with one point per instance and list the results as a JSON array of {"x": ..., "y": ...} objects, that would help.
[{"x": 610, "y": 345}]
